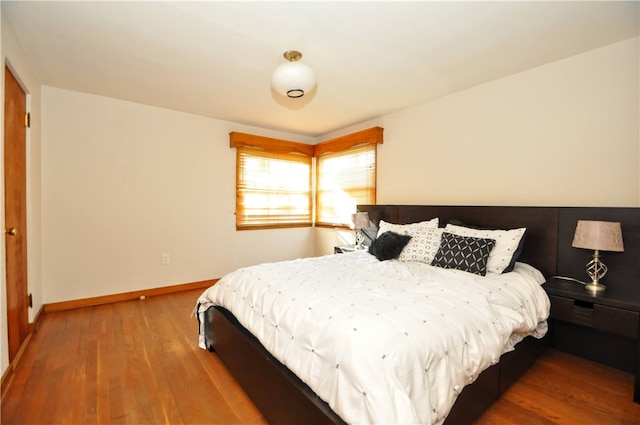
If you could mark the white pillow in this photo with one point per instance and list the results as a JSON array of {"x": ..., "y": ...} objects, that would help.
[
  {"x": 402, "y": 229},
  {"x": 507, "y": 242},
  {"x": 425, "y": 239}
]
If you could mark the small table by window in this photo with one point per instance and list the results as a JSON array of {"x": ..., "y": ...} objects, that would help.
[{"x": 347, "y": 248}]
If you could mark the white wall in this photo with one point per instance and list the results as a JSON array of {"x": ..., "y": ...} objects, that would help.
[
  {"x": 124, "y": 183},
  {"x": 566, "y": 133}
]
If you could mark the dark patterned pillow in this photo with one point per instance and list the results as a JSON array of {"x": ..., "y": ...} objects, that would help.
[
  {"x": 388, "y": 245},
  {"x": 464, "y": 253},
  {"x": 509, "y": 244}
]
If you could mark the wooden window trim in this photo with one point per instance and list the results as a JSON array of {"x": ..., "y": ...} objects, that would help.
[
  {"x": 372, "y": 135},
  {"x": 267, "y": 143}
]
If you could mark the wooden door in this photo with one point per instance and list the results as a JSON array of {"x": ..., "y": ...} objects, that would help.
[{"x": 15, "y": 211}]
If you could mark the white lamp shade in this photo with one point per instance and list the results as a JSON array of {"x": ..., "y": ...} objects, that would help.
[
  {"x": 600, "y": 235},
  {"x": 293, "y": 79},
  {"x": 360, "y": 220}
]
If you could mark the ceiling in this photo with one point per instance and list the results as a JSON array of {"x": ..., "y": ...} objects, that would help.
[{"x": 215, "y": 58}]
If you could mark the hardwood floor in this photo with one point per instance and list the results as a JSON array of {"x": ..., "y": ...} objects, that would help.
[
  {"x": 137, "y": 362},
  {"x": 133, "y": 362},
  {"x": 563, "y": 389}
]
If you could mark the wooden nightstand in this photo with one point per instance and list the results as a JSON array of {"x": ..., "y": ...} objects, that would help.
[{"x": 603, "y": 328}]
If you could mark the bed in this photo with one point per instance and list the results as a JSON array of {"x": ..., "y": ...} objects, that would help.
[{"x": 382, "y": 341}]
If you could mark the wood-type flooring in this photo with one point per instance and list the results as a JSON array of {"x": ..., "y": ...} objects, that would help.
[{"x": 137, "y": 362}]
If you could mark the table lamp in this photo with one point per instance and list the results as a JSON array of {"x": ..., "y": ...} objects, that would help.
[
  {"x": 360, "y": 221},
  {"x": 599, "y": 236}
]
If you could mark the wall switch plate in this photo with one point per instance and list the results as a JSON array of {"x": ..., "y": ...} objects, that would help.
[{"x": 165, "y": 259}]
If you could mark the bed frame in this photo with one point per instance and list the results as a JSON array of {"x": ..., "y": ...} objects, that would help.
[{"x": 284, "y": 399}]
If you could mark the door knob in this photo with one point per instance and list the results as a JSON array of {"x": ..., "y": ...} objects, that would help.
[{"x": 12, "y": 232}]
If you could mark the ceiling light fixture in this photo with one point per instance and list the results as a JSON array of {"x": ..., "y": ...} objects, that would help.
[{"x": 293, "y": 79}]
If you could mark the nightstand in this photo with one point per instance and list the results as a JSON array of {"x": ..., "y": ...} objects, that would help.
[
  {"x": 604, "y": 328},
  {"x": 347, "y": 248}
]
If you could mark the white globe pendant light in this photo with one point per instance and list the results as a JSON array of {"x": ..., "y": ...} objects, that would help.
[{"x": 293, "y": 78}]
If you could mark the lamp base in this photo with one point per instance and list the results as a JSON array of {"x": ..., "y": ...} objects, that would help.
[
  {"x": 596, "y": 271},
  {"x": 595, "y": 287},
  {"x": 359, "y": 239}
]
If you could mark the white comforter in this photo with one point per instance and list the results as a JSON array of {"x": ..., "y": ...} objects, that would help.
[{"x": 383, "y": 342}]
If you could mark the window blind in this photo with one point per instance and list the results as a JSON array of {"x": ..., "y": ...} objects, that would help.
[
  {"x": 272, "y": 189},
  {"x": 344, "y": 179}
]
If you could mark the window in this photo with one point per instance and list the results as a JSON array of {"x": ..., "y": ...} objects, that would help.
[
  {"x": 273, "y": 185},
  {"x": 344, "y": 180},
  {"x": 274, "y": 179}
]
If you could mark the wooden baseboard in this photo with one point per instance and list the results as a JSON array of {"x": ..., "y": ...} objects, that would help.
[
  {"x": 37, "y": 321},
  {"x": 7, "y": 377},
  {"x": 106, "y": 299},
  {"x": 8, "y": 374}
]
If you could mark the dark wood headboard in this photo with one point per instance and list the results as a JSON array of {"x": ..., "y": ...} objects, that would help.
[{"x": 548, "y": 238}]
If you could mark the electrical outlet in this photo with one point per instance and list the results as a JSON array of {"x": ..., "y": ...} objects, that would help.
[{"x": 165, "y": 259}]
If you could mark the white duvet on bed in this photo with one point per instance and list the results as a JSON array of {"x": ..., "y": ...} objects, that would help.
[{"x": 383, "y": 342}]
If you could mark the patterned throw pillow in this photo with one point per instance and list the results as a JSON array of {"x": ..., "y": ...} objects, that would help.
[
  {"x": 464, "y": 253},
  {"x": 506, "y": 251},
  {"x": 423, "y": 245},
  {"x": 388, "y": 245}
]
